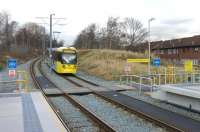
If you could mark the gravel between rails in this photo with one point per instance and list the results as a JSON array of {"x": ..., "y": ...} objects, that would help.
[
  {"x": 63, "y": 83},
  {"x": 143, "y": 97},
  {"x": 75, "y": 119},
  {"x": 120, "y": 119},
  {"x": 95, "y": 79}
]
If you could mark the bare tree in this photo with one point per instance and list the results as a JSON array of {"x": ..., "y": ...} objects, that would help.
[
  {"x": 87, "y": 37},
  {"x": 117, "y": 34},
  {"x": 113, "y": 31},
  {"x": 133, "y": 31},
  {"x": 4, "y": 29},
  {"x": 101, "y": 37},
  {"x": 30, "y": 35},
  {"x": 7, "y": 30}
]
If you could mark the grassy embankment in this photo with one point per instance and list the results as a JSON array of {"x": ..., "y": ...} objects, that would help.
[{"x": 108, "y": 64}]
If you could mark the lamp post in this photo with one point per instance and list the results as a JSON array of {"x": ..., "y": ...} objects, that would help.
[
  {"x": 149, "y": 44},
  {"x": 51, "y": 41},
  {"x": 54, "y": 37}
]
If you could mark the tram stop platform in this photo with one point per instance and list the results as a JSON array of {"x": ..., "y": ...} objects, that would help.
[
  {"x": 184, "y": 95},
  {"x": 27, "y": 112}
]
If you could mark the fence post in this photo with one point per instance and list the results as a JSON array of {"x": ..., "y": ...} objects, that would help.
[
  {"x": 131, "y": 80},
  {"x": 140, "y": 88},
  {"x": 181, "y": 78},
  {"x": 175, "y": 78},
  {"x": 165, "y": 76},
  {"x": 26, "y": 82},
  {"x": 159, "y": 79},
  {"x": 193, "y": 77},
  {"x": 151, "y": 87},
  {"x": 19, "y": 83},
  {"x": 22, "y": 81},
  {"x": 120, "y": 79}
]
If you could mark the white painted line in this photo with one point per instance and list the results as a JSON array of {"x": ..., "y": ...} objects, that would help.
[{"x": 48, "y": 119}]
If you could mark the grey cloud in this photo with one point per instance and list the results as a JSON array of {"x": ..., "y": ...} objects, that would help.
[
  {"x": 168, "y": 32},
  {"x": 177, "y": 21}
]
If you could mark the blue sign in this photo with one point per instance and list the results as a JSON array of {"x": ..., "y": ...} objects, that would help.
[
  {"x": 156, "y": 62},
  {"x": 12, "y": 63}
]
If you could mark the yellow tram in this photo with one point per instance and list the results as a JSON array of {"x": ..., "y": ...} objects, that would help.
[{"x": 64, "y": 60}]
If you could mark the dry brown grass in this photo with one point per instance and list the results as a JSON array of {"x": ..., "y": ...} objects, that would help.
[
  {"x": 108, "y": 64},
  {"x": 21, "y": 58}
]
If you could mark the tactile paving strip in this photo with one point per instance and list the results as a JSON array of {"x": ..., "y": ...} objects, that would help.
[{"x": 31, "y": 120}]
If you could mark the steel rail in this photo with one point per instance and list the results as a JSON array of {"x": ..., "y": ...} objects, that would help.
[
  {"x": 102, "y": 124},
  {"x": 37, "y": 85},
  {"x": 140, "y": 114}
]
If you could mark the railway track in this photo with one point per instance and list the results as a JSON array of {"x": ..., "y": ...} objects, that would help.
[
  {"x": 117, "y": 117},
  {"x": 76, "y": 123},
  {"x": 164, "y": 118}
]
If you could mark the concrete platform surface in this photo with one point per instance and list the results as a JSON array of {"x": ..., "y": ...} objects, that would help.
[
  {"x": 27, "y": 112},
  {"x": 184, "y": 95},
  {"x": 11, "y": 116},
  {"x": 192, "y": 91}
]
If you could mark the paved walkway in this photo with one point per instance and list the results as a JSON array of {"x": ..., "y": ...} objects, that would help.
[{"x": 27, "y": 113}]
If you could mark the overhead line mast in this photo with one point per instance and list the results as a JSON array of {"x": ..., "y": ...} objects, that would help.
[{"x": 50, "y": 26}]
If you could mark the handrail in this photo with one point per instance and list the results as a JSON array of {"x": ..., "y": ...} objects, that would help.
[
  {"x": 155, "y": 80},
  {"x": 141, "y": 81},
  {"x": 135, "y": 76}
]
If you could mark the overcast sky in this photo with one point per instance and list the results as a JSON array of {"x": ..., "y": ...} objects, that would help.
[{"x": 173, "y": 18}]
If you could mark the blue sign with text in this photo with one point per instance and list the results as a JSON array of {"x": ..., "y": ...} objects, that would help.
[
  {"x": 12, "y": 63},
  {"x": 156, "y": 62}
]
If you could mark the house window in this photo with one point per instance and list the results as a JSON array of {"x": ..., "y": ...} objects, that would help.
[
  {"x": 195, "y": 62},
  {"x": 161, "y": 51},
  {"x": 169, "y": 51},
  {"x": 174, "y": 51}
]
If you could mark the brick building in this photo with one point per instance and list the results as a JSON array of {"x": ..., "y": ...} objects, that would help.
[{"x": 176, "y": 50}]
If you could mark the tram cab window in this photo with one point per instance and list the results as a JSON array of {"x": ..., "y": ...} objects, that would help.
[{"x": 69, "y": 58}]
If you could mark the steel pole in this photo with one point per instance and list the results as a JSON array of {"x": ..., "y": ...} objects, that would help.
[
  {"x": 149, "y": 44},
  {"x": 51, "y": 41},
  {"x": 149, "y": 64},
  {"x": 43, "y": 45}
]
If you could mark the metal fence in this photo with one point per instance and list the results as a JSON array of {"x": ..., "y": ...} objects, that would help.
[
  {"x": 154, "y": 81},
  {"x": 177, "y": 78},
  {"x": 16, "y": 83},
  {"x": 139, "y": 82}
]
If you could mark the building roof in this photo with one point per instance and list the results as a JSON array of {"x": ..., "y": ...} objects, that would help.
[
  {"x": 177, "y": 43},
  {"x": 169, "y": 44}
]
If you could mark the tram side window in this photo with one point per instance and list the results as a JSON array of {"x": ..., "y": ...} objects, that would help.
[
  {"x": 58, "y": 56},
  {"x": 53, "y": 55}
]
